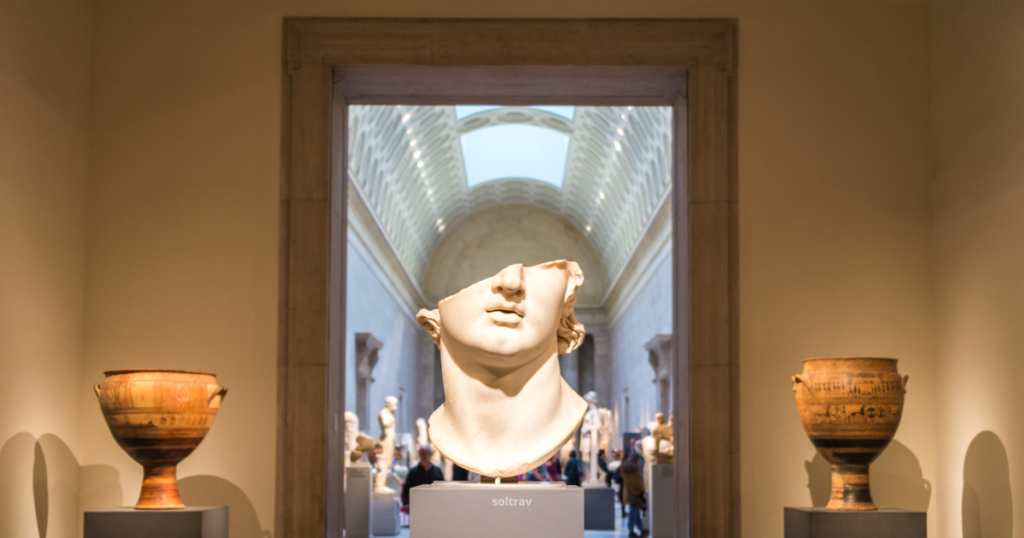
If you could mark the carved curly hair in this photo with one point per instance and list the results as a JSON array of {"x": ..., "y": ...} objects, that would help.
[{"x": 570, "y": 330}]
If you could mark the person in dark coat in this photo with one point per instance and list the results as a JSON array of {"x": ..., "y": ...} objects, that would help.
[
  {"x": 423, "y": 473},
  {"x": 573, "y": 471},
  {"x": 459, "y": 474},
  {"x": 633, "y": 494}
]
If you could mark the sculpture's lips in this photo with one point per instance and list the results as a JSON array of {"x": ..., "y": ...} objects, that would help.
[
  {"x": 515, "y": 309},
  {"x": 506, "y": 315}
]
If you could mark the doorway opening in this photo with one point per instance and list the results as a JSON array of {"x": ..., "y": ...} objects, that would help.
[
  {"x": 459, "y": 193},
  {"x": 331, "y": 64}
]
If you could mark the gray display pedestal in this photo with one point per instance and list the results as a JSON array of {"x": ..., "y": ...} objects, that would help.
[
  {"x": 503, "y": 511},
  {"x": 662, "y": 502},
  {"x": 385, "y": 514},
  {"x": 881, "y": 523},
  {"x": 190, "y": 522},
  {"x": 357, "y": 500},
  {"x": 599, "y": 509}
]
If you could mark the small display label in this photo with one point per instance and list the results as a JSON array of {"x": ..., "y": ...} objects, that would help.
[{"x": 511, "y": 502}]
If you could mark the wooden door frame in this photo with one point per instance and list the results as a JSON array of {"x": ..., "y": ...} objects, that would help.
[{"x": 330, "y": 63}]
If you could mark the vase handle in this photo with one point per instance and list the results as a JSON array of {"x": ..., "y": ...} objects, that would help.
[
  {"x": 905, "y": 379},
  {"x": 797, "y": 379},
  {"x": 96, "y": 387},
  {"x": 221, "y": 391}
]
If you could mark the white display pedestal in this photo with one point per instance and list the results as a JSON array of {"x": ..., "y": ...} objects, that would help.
[
  {"x": 662, "y": 500},
  {"x": 598, "y": 508},
  {"x": 467, "y": 510},
  {"x": 385, "y": 514},
  {"x": 359, "y": 478}
]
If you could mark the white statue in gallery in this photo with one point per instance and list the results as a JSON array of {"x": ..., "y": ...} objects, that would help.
[
  {"x": 590, "y": 437},
  {"x": 663, "y": 442},
  {"x": 407, "y": 451},
  {"x": 387, "y": 445},
  {"x": 606, "y": 430},
  {"x": 507, "y": 408},
  {"x": 421, "y": 432},
  {"x": 648, "y": 449},
  {"x": 351, "y": 435},
  {"x": 356, "y": 444}
]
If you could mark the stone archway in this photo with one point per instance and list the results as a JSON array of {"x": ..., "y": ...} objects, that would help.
[{"x": 330, "y": 63}]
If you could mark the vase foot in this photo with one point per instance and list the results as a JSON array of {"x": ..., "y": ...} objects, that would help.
[
  {"x": 159, "y": 489},
  {"x": 851, "y": 489}
]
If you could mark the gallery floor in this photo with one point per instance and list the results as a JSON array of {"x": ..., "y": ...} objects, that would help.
[{"x": 619, "y": 531}]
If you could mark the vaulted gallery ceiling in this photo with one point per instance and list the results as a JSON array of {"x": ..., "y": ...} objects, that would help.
[{"x": 425, "y": 168}]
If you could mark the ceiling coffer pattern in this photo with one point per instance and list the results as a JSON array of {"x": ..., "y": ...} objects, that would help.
[{"x": 408, "y": 160}]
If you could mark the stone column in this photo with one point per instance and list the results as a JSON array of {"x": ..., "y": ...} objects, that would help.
[
  {"x": 659, "y": 355},
  {"x": 366, "y": 358},
  {"x": 425, "y": 366},
  {"x": 568, "y": 364},
  {"x": 602, "y": 368}
]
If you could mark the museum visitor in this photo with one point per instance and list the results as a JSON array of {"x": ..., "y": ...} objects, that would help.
[
  {"x": 423, "y": 473},
  {"x": 573, "y": 471},
  {"x": 633, "y": 493}
]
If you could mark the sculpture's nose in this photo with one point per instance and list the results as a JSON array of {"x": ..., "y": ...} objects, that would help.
[{"x": 509, "y": 281}]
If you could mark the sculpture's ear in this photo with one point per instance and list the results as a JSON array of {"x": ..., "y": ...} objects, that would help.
[
  {"x": 570, "y": 330},
  {"x": 431, "y": 322}
]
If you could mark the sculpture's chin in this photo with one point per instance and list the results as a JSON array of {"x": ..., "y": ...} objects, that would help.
[
  {"x": 488, "y": 456},
  {"x": 503, "y": 362}
]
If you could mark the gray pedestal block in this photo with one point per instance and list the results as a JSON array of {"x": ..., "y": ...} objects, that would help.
[
  {"x": 882, "y": 523},
  {"x": 503, "y": 511},
  {"x": 385, "y": 514},
  {"x": 661, "y": 501},
  {"x": 191, "y": 522},
  {"x": 357, "y": 500},
  {"x": 599, "y": 509}
]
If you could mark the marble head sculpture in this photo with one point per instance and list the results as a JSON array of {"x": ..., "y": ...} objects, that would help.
[{"x": 507, "y": 408}]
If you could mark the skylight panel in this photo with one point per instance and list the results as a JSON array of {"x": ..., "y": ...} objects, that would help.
[
  {"x": 515, "y": 151},
  {"x": 462, "y": 111},
  {"x": 566, "y": 112}
]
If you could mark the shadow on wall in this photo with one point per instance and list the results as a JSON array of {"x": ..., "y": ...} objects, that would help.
[
  {"x": 205, "y": 490},
  {"x": 40, "y": 493},
  {"x": 38, "y": 487},
  {"x": 896, "y": 480},
  {"x": 987, "y": 500},
  {"x": 100, "y": 488}
]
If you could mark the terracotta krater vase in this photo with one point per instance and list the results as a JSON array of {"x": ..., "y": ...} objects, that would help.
[
  {"x": 850, "y": 408},
  {"x": 159, "y": 417}
]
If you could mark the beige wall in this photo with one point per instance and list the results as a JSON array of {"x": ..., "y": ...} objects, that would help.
[
  {"x": 834, "y": 224},
  {"x": 978, "y": 244},
  {"x": 183, "y": 233},
  {"x": 833, "y": 168},
  {"x": 45, "y": 50},
  {"x": 182, "y": 225}
]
